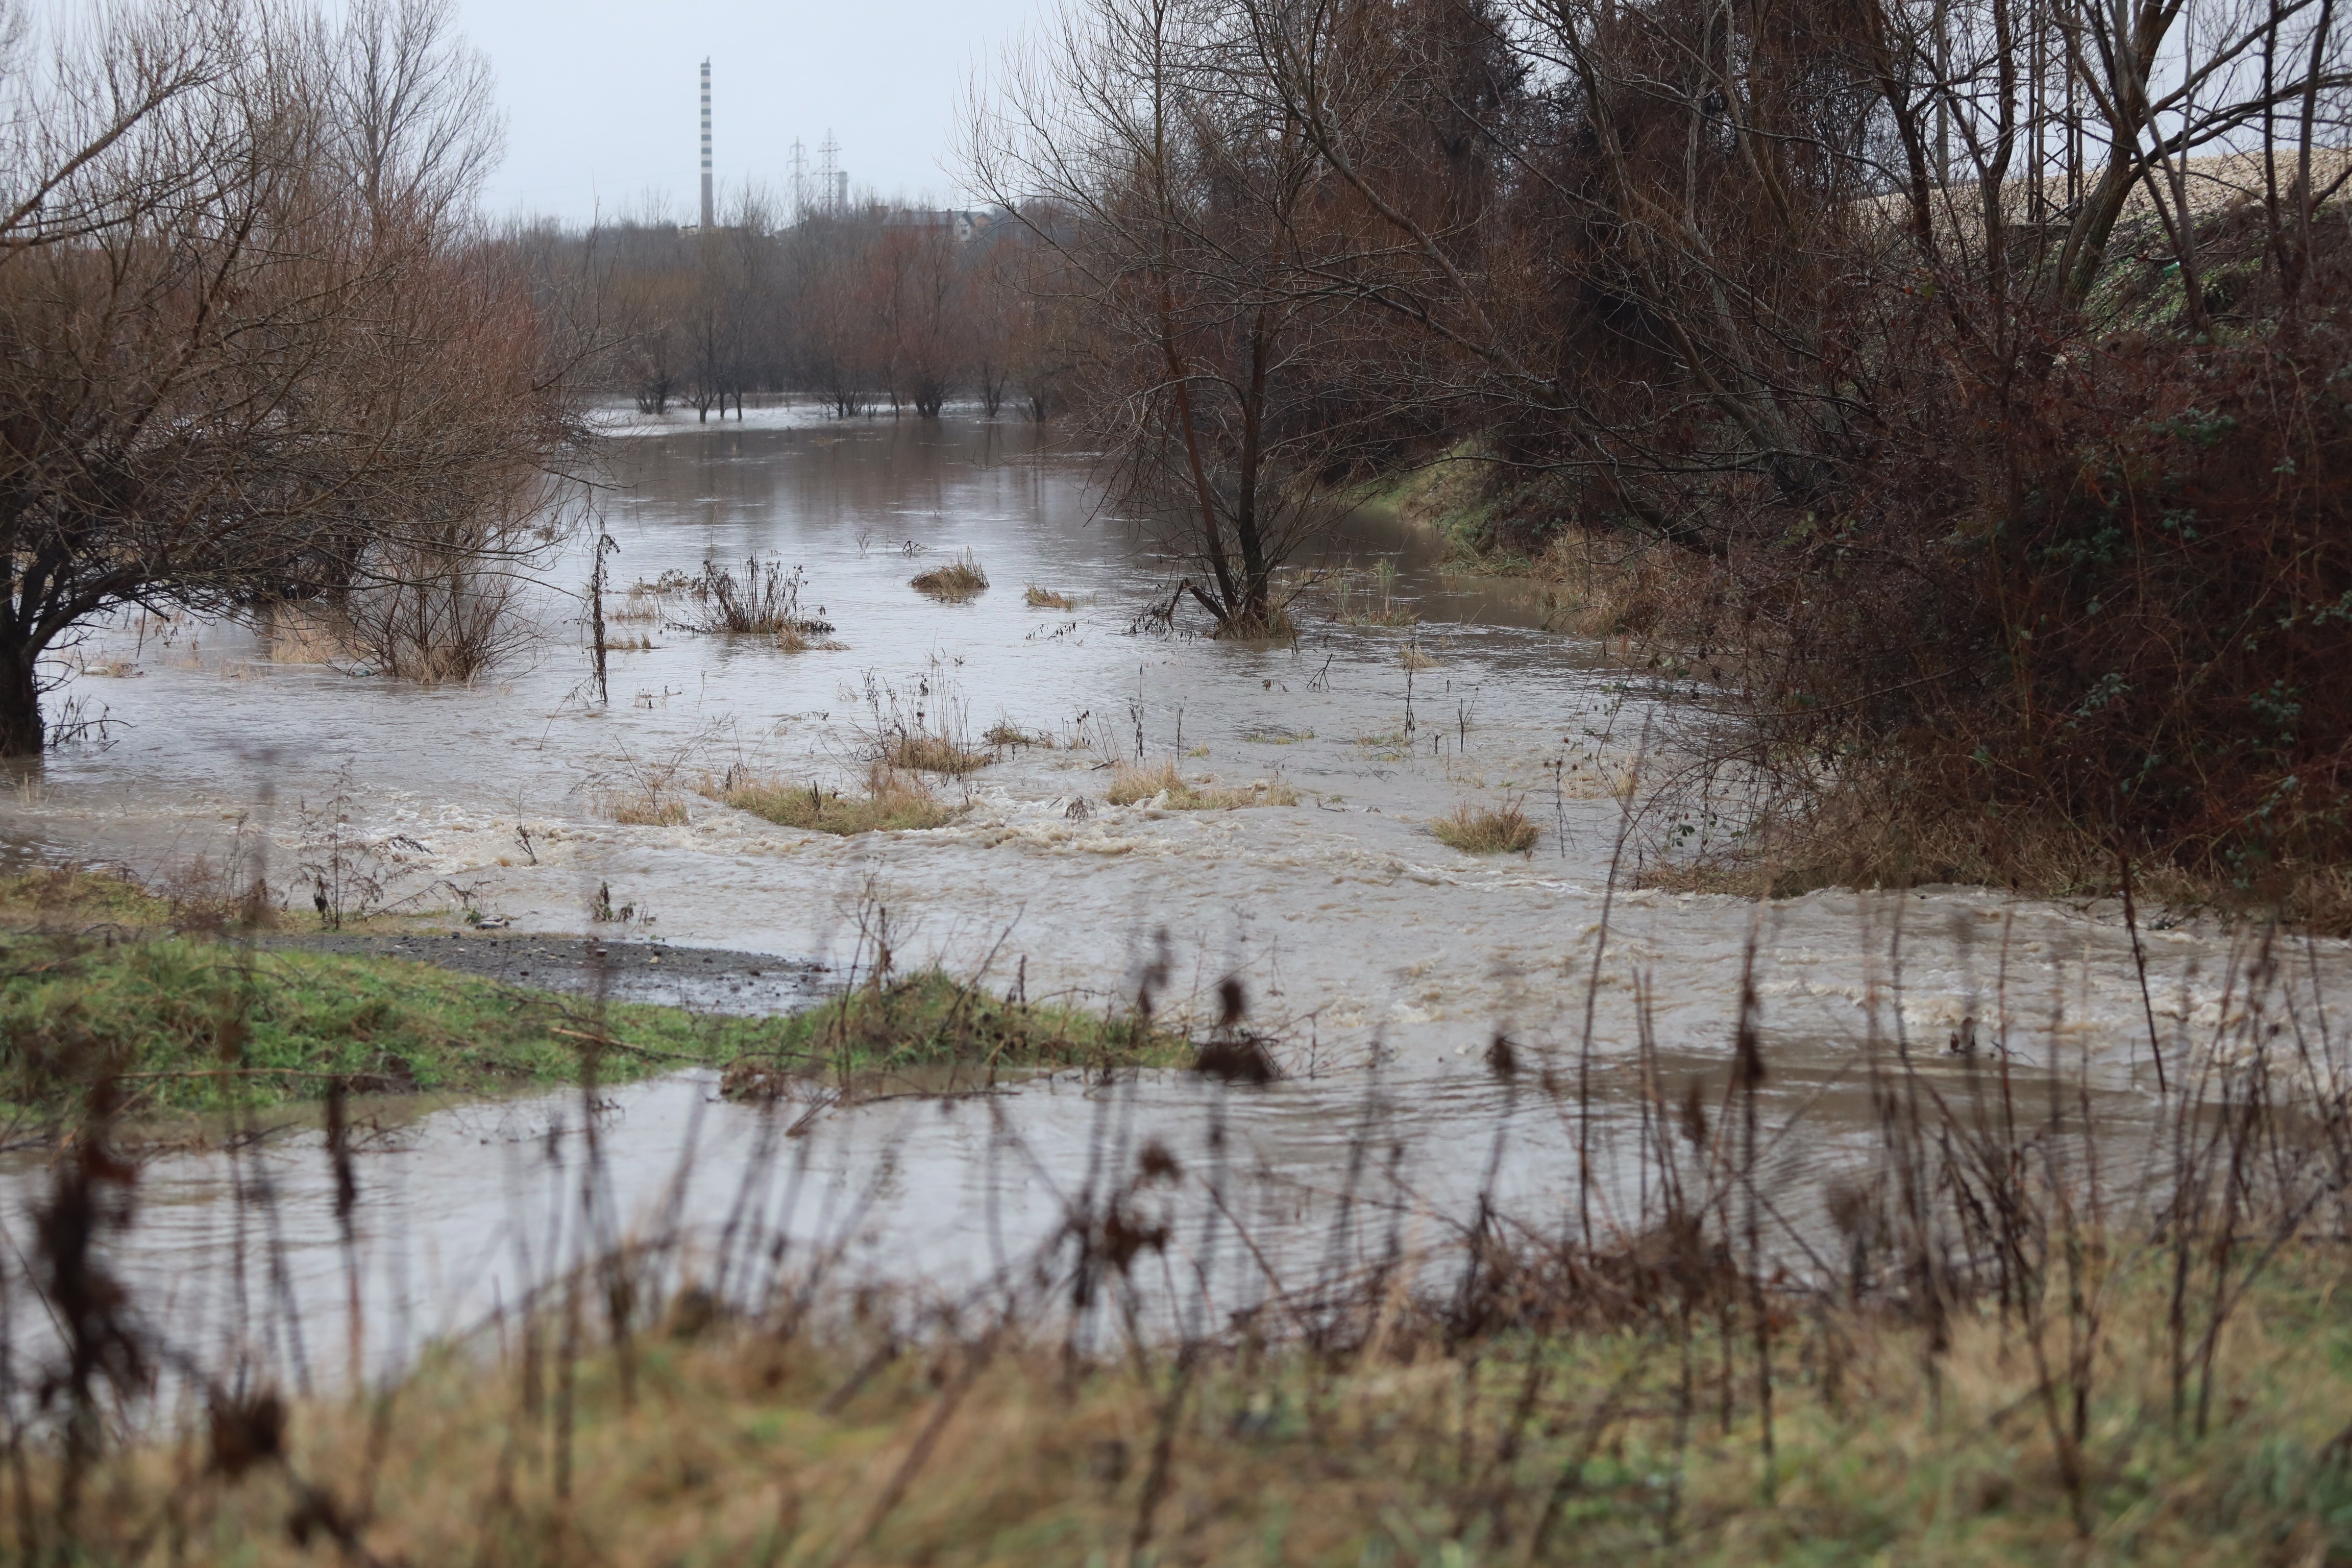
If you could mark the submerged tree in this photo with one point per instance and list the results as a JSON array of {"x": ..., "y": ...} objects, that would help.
[
  {"x": 251, "y": 349},
  {"x": 1189, "y": 217}
]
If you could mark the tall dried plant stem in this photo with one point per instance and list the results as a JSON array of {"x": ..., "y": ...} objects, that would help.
[{"x": 1749, "y": 1065}]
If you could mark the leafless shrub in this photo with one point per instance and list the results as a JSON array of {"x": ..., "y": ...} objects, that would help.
[{"x": 765, "y": 600}]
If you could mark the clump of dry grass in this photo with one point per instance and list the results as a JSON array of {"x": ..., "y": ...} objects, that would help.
[
  {"x": 952, "y": 584},
  {"x": 1006, "y": 735},
  {"x": 1131, "y": 785},
  {"x": 1487, "y": 830},
  {"x": 643, "y": 792},
  {"x": 803, "y": 638},
  {"x": 1038, "y": 598},
  {"x": 646, "y": 810},
  {"x": 917, "y": 751},
  {"x": 894, "y": 802},
  {"x": 291, "y": 633}
]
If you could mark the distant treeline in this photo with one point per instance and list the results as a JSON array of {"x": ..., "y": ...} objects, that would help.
[{"x": 876, "y": 307}]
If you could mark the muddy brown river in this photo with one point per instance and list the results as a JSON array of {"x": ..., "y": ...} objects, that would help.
[{"x": 1385, "y": 960}]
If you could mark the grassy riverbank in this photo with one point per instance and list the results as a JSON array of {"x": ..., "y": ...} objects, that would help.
[
  {"x": 188, "y": 1024},
  {"x": 96, "y": 984},
  {"x": 1610, "y": 1443}
]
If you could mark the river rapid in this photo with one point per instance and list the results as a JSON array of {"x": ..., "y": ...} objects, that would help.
[{"x": 1384, "y": 960}]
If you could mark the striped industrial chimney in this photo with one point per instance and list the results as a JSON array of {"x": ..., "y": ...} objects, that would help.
[{"x": 710, "y": 215}]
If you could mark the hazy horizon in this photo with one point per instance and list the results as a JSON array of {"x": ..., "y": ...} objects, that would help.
[{"x": 601, "y": 99}]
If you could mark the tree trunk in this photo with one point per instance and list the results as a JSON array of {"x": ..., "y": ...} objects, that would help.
[{"x": 20, "y": 706}]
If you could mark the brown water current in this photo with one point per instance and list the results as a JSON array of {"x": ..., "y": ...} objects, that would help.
[{"x": 1360, "y": 937}]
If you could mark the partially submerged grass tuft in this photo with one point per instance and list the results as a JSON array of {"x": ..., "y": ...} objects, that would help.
[
  {"x": 178, "y": 1024},
  {"x": 765, "y": 600},
  {"x": 894, "y": 802},
  {"x": 1487, "y": 830},
  {"x": 1038, "y": 598},
  {"x": 928, "y": 753},
  {"x": 1377, "y": 604},
  {"x": 931, "y": 1019},
  {"x": 646, "y": 810},
  {"x": 1005, "y": 735},
  {"x": 800, "y": 638},
  {"x": 1131, "y": 785},
  {"x": 959, "y": 580}
]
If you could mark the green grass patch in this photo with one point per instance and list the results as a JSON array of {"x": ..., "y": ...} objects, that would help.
[
  {"x": 66, "y": 898},
  {"x": 930, "y": 1019},
  {"x": 187, "y": 1025},
  {"x": 183, "y": 1023}
]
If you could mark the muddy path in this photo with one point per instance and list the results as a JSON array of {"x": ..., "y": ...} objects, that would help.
[{"x": 699, "y": 979}]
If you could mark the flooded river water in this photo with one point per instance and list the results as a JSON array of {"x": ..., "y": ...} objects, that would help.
[{"x": 1360, "y": 937}]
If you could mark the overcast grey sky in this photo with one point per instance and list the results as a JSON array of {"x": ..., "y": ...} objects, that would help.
[{"x": 602, "y": 99}]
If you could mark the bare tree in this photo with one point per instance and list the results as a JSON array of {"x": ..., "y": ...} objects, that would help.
[
  {"x": 238, "y": 368},
  {"x": 1199, "y": 216},
  {"x": 414, "y": 125}
]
